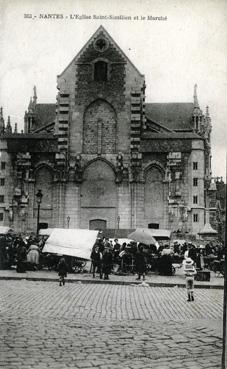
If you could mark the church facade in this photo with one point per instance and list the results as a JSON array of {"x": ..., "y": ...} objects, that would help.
[{"x": 104, "y": 157}]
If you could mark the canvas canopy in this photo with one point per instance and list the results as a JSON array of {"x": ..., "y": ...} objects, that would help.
[
  {"x": 46, "y": 232},
  {"x": 4, "y": 230},
  {"x": 72, "y": 242},
  {"x": 143, "y": 235},
  {"x": 161, "y": 233}
]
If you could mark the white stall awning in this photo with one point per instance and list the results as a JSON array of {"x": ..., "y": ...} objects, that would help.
[
  {"x": 72, "y": 242},
  {"x": 161, "y": 233}
]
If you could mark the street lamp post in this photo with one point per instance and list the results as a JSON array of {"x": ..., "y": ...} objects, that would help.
[{"x": 39, "y": 196}]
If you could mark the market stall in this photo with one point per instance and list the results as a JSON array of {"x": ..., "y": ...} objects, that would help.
[
  {"x": 71, "y": 242},
  {"x": 5, "y": 247}
]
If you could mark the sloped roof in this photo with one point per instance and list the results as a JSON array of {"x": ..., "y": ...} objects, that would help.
[
  {"x": 172, "y": 115},
  {"x": 171, "y": 135},
  {"x": 29, "y": 142},
  {"x": 208, "y": 230},
  {"x": 44, "y": 114},
  {"x": 156, "y": 127},
  {"x": 47, "y": 128}
]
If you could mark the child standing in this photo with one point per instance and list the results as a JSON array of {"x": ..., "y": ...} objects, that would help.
[
  {"x": 140, "y": 262},
  {"x": 62, "y": 271},
  {"x": 190, "y": 272}
]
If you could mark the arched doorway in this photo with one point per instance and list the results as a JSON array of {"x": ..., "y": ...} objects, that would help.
[
  {"x": 98, "y": 195},
  {"x": 97, "y": 224},
  {"x": 44, "y": 182},
  {"x": 154, "y": 197}
]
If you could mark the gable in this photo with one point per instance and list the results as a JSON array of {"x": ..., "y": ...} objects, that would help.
[
  {"x": 152, "y": 126},
  {"x": 101, "y": 46}
]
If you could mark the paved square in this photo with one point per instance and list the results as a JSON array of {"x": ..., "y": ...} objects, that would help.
[{"x": 108, "y": 326}]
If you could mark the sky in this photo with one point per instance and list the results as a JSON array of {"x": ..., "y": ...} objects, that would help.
[{"x": 187, "y": 45}]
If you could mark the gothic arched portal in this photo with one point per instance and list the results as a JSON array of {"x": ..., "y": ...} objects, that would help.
[
  {"x": 154, "y": 196},
  {"x": 98, "y": 194}
]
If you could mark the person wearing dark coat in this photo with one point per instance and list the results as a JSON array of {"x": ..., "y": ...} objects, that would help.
[
  {"x": 192, "y": 253},
  {"x": 165, "y": 262},
  {"x": 107, "y": 262},
  {"x": 96, "y": 260},
  {"x": 62, "y": 271},
  {"x": 116, "y": 249},
  {"x": 21, "y": 255},
  {"x": 140, "y": 263}
]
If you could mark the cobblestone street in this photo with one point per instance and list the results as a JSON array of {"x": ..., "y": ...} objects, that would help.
[{"x": 105, "y": 326}]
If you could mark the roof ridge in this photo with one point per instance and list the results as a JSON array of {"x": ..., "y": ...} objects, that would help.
[{"x": 152, "y": 103}]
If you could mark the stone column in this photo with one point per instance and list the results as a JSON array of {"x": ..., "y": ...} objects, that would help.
[
  {"x": 124, "y": 205},
  {"x": 72, "y": 204}
]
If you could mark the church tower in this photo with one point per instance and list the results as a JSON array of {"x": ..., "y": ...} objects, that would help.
[
  {"x": 2, "y": 122},
  {"x": 197, "y": 113},
  {"x": 100, "y": 117}
]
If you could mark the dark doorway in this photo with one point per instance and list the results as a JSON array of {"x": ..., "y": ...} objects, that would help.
[{"x": 153, "y": 225}]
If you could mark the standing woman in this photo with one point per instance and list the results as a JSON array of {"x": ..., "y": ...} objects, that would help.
[
  {"x": 107, "y": 262},
  {"x": 140, "y": 262},
  {"x": 21, "y": 255},
  {"x": 96, "y": 261}
]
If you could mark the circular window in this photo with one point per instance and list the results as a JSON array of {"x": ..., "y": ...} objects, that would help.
[{"x": 101, "y": 44}]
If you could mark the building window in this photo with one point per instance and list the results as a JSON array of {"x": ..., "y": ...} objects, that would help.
[
  {"x": 195, "y": 182},
  {"x": 195, "y": 199},
  {"x": 1, "y": 198},
  {"x": 3, "y": 165},
  {"x": 100, "y": 71},
  {"x": 195, "y": 217},
  {"x": 195, "y": 165},
  {"x": 101, "y": 44},
  {"x": 2, "y": 181},
  {"x": 1, "y": 217},
  {"x": 196, "y": 123}
]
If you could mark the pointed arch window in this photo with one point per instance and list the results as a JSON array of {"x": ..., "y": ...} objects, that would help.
[
  {"x": 196, "y": 123},
  {"x": 100, "y": 71}
]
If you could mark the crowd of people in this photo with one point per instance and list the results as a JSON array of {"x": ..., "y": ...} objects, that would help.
[
  {"x": 110, "y": 256},
  {"x": 107, "y": 257},
  {"x": 127, "y": 257},
  {"x": 23, "y": 252}
]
